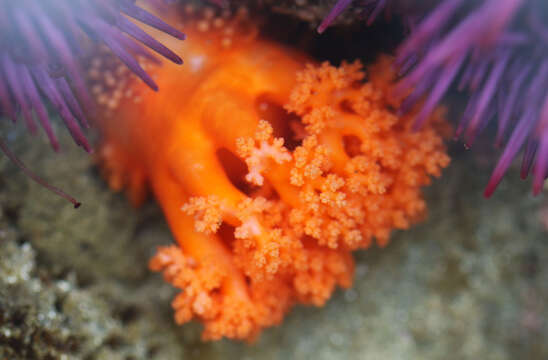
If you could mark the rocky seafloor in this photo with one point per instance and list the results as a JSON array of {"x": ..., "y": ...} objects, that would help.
[{"x": 471, "y": 282}]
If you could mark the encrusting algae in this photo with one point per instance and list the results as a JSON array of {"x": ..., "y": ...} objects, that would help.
[{"x": 269, "y": 171}]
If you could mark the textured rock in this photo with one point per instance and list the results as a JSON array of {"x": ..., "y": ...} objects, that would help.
[{"x": 470, "y": 282}]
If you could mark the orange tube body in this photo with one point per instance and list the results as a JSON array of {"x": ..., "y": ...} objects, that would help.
[{"x": 270, "y": 172}]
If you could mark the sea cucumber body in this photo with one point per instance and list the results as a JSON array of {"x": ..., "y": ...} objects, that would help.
[{"x": 270, "y": 170}]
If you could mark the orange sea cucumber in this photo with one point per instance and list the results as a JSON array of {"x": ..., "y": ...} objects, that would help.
[{"x": 269, "y": 171}]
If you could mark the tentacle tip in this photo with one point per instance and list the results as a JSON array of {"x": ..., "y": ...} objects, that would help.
[
  {"x": 178, "y": 60},
  {"x": 85, "y": 145},
  {"x": 488, "y": 192},
  {"x": 537, "y": 187},
  {"x": 490, "y": 188},
  {"x": 152, "y": 85}
]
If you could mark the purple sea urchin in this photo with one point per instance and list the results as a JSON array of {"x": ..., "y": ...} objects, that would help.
[
  {"x": 40, "y": 53},
  {"x": 498, "y": 51}
]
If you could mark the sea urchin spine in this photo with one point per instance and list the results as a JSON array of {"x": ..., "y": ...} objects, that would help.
[
  {"x": 498, "y": 51},
  {"x": 41, "y": 49}
]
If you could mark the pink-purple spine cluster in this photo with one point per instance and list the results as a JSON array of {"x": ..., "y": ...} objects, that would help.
[
  {"x": 40, "y": 55},
  {"x": 497, "y": 50}
]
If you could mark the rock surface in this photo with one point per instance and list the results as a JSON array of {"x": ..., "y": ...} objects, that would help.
[{"x": 470, "y": 282}]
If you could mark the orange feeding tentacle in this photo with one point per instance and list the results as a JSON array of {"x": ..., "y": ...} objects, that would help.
[{"x": 269, "y": 172}]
